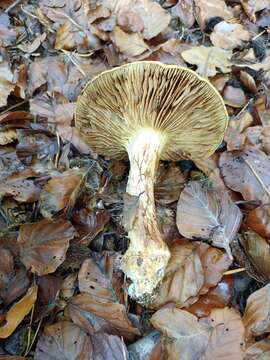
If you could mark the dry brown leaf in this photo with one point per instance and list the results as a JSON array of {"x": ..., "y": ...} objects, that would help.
[
  {"x": 184, "y": 10},
  {"x": 229, "y": 36},
  {"x": 207, "y": 213},
  {"x": 6, "y": 267},
  {"x": 259, "y": 220},
  {"x": 96, "y": 314},
  {"x": 20, "y": 187},
  {"x": 7, "y": 35},
  {"x": 227, "y": 336},
  {"x": 251, "y": 7},
  {"x": 234, "y": 135},
  {"x": 43, "y": 245},
  {"x": 17, "y": 312},
  {"x": 154, "y": 17},
  {"x": 61, "y": 192},
  {"x": 6, "y": 82},
  {"x": 107, "y": 346},
  {"x": 147, "y": 346},
  {"x": 256, "y": 317},
  {"x": 34, "y": 45},
  {"x": 184, "y": 276},
  {"x": 258, "y": 351},
  {"x": 69, "y": 37},
  {"x": 207, "y": 9},
  {"x": 186, "y": 337},
  {"x": 258, "y": 251},
  {"x": 64, "y": 341},
  {"x": 169, "y": 183},
  {"x": 234, "y": 97},
  {"x": 128, "y": 44},
  {"x": 209, "y": 60},
  {"x": 247, "y": 172},
  {"x": 129, "y": 20},
  {"x": 68, "y": 286},
  {"x": 248, "y": 81}
]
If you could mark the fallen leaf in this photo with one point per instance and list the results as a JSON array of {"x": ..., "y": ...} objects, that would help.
[
  {"x": 61, "y": 192},
  {"x": 259, "y": 220},
  {"x": 184, "y": 10},
  {"x": 256, "y": 317},
  {"x": 217, "y": 298},
  {"x": 207, "y": 9},
  {"x": 248, "y": 81},
  {"x": 229, "y": 36},
  {"x": 68, "y": 37},
  {"x": 251, "y": 7},
  {"x": 234, "y": 97},
  {"x": 89, "y": 224},
  {"x": 68, "y": 286},
  {"x": 65, "y": 341},
  {"x": 146, "y": 347},
  {"x": 107, "y": 346},
  {"x": 209, "y": 60},
  {"x": 96, "y": 314},
  {"x": 154, "y": 17},
  {"x": 227, "y": 336},
  {"x": 7, "y": 35},
  {"x": 258, "y": 251},
  {"x": 17, "y": 312},
  {"x": 128, "y": 44},
  {"x": 207, "y": 213},
  {"x": 258, "y": 351},
  {"x": 184, "y": 276},
  {"x": 186, "y": 337},
  {"x": 234, "y": 135},
  {"x": 247, "y": 172},
  {"x": 169, "y": 183},
  {"x": 6, "y": 267},
  {"x": 34, "y": 45},
  {"x": 20, "y": 187},
  {"x": 6, "y": 82},
  {"x": 43, "y": 245},
  {"x": 129, "y": 20},
  {"x": 263, "y": 20}
]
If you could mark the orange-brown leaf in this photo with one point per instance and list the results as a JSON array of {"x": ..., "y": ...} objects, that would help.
[{"x": 18, "y": 311}]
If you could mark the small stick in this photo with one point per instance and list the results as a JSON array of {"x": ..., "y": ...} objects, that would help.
[
  {"x": 73, "y": 62},
  {"x": 258, "y": 35},
  {"x": 12, "y": 6},
  {"x": 13, "y": 107},
  {"x": 58, "y": 150},
  {"x": 234, "y": 271}
]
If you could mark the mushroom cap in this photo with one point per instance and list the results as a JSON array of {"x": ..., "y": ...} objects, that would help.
[{"x": 175, "y": 101}]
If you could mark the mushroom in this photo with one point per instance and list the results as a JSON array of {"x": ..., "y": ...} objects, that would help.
[{"x": 151, "y": 112}]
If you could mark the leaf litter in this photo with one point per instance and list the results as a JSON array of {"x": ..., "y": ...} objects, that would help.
[{"x": 62, "y": 206}]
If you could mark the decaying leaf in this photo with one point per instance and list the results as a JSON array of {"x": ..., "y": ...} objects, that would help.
[
  {"x": 6, "y": 267},
  {"x": 251, "y": 7},
  {"x": 247, "y": 172},
  {"x": 95, "y": 314},
  {"x": 129, "y": 44},
  {"x": 17, "y": 312},
  {"x": 258, "y": 251},
  {"x": 7, "y": 136},
  {"x": 146, "y": 347},
  {"x": 229, "y": 36},
  {"x": 259, "y": 220},
  {"x": 65, "y": 341},
  {"x": 256, "y": 317},
  {"x": 186, "y": 337},
  {"x": 235, "y": 136},
  {"x": 107, "y": 346},
  {"x": 209, "y": 60},
  {"x": 6, "y": 82},
  {"x": 61, "y": 192},
  {"x": 207, "y": 9},
  {"x": 43, "y": 245},
  {"x": 227, "y": 335},
  {"x": 234, "y": 96},
  {"x": 258, "y": 351},
  {"x": 207, "y": 213}
]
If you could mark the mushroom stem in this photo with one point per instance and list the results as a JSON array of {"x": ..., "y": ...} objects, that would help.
[{"x": 147, "y": 256}]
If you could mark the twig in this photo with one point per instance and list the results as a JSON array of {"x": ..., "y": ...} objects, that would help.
[
  {"x": 29, "y": 331},
  {"x": 257, "y": 177},
  {"x": 12, "y": 6},
  {"x": 234, "y": 271},
  {"x": 69, "y": 18},
  {"x": 258, "y": 35},
  {"x": 29, "y": 13},
  {"x": 58, "y": 150},
  {"x": 243, "y": 108},
  {"x": 73, "y": 61},
  {"x": 34, "y": 338},
  {"x": 123, "y": 348},
  {"x": 13, "y": 107}
]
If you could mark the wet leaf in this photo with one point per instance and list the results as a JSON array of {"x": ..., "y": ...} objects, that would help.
[
  {"x": 17, "y": 312},
  {"x": 61, "y": 192},
  {"x": 259, "y": 220},
  {"x": 209, "y": 60},
  {"x": 229, "y": 36},
  {"x": 95, "y": 314},
  {"x": 128, "y": 44},
  {"x": 186, "y": 337},
  {"x": 256, "y": 317},
  {"x": 43, "y": 245},
  {"x": 247, "y": 172},
  {"x": 65, "y": 341},
  {"x": 227, "y": 336},
  {"x": 207, "y": 213}
]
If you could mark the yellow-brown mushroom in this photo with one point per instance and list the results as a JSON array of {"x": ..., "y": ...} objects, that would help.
[{"x": 151, "y": 112}]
